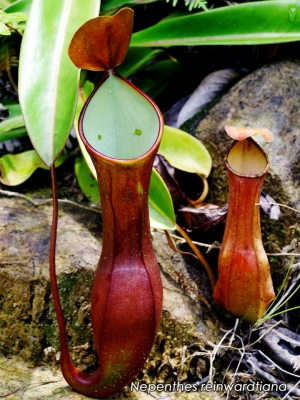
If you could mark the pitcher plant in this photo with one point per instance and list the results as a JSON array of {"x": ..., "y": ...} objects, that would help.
[
  {"x": 244, "y": 286},
  {"x": 121, "y": 129}
]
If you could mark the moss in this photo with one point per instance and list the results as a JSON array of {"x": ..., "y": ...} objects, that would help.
[
  {"x": 20, "y": 306},
  {"x": 75, "y": 292},
  {"x": 75, "y": 296}
]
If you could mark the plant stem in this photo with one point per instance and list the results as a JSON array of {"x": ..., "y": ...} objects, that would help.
[
  {"x": 203, "y": 261},
  {"x": 53, "y": 279},
  {"x": 199, "y": 201},
  {"x": 14, "y": 29}
]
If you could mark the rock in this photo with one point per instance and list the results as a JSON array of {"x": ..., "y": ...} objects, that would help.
[
  {"x": 270, "y": 98},
  {"x": 27, "y": 318}
]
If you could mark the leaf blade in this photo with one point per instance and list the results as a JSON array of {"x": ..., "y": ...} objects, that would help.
[
  {"x": 19, "y": 6},
  {"x": 87, "y": 182},
  {"x": 248, "y": 23},
  {"x": 11, "y": 123},
  {"x": 161, "y": 209},
  {"x": 4, "y": 29},
  {"x": 135, "y": 59},
  {"x": 46, "y": 71},
  {"x": 17, "y": 168},
  {"x": 185, "y": 152}
]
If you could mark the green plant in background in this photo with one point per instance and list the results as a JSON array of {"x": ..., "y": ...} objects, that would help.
[
  {"x": 285, "y": 293},
  {"x": 191, "y": 4},
  {"x": 282, "y": 298},
  {"x": 13, "y": 126},
  {"x": 10, "y": 21},
  {"x": 248, "y": 23},
  {"x": 261, "y": 22},
  {"x": 12, "y": 24}
]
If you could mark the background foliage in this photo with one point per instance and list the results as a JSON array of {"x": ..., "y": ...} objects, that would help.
[{"x": 174, "y": 46}]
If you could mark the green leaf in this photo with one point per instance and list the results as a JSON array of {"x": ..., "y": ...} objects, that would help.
[
  {"x": 88, "y": 184},
  {"x": 185, "y": 152},
  {"x": 4, "y": 3},
  {"x": 4, "y": 29},
  {"x": 13, "y": 108},
  {"x": 12, "y": 127},
  {"x": 135, "y": 59},
  {"x": 19, "y": 6},
  {"x": 8, "y": 18},
  {"x": 13, "y": 134},
  {"x": 12, "y": 21},
  {"x": 48, "y": 80},
  {"x": 9, "y": 124},
  {"x": 248, "y": 23},
  {"x": 16, "y": 169},
  {"x": 160, "y": 204}
]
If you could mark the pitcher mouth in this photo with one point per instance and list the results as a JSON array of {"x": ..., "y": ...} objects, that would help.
[
  {"x": 246, "y": 158},
  {"x": 119, "y": 122}
]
